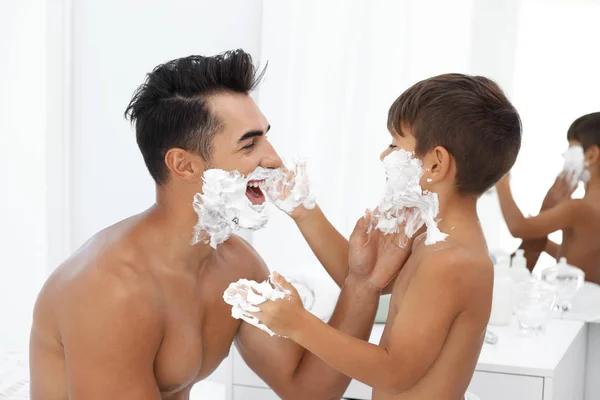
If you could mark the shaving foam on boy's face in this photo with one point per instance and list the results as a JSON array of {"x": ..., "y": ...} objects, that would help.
[
  {"x": 405, "y": 205},
  {"x": 229, "y": 202},
  {"x": 575, "y": 165}
]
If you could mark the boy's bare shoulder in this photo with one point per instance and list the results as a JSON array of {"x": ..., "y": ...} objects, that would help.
[{"x": 461, "y": 267}]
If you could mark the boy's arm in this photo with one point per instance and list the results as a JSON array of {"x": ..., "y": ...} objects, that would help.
[
  {"x": 295, "y": 373},
  {"x": 418, "y": 333},
  {"x": 561, "y": 190},
  {"x": 328, "y": 245},
  {"x": 552, "y": 249},
  {"x": 552, "y": 220}
]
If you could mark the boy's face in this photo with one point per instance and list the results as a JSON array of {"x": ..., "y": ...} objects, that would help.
[
  {"x": 400, "y": 141},
  {"x": 574, "y": 142},
  {"x": 438, "y": 174}
]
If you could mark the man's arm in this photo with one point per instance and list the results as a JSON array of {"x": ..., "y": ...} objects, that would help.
[
  {"x": 431, "y": 303},
  {"x": 110, "y": 337},
  {"x": 293, "y": 372},
  {"x": 552, "y": 220}
]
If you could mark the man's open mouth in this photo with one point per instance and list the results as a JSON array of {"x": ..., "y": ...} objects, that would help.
[{"x": 254, "y": 192}]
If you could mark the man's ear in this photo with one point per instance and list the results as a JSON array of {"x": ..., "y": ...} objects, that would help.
[
  {"x": 185, "y": 165},
  {"x": 436, "y": 164}
]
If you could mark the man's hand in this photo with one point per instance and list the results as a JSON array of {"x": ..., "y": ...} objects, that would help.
[
  {"x": 284, "y": 317},
  {"x": 562, "y": 189},
  {"x": 376, "y": 258}
]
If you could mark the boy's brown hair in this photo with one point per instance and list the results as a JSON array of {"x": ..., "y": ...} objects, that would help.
[
  {"x": 588, "y": 130},
  {"x": 471, "y": 117}
]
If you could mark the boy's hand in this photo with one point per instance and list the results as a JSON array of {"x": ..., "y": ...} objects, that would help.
[
  {"x": 284, "y": 317},
  {"x": 289, "y": 186},
  {"x": 376, "y": 258},
  {"x": 562, "y": 189}
]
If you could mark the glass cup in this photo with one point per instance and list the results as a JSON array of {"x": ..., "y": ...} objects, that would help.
[{"x": 533, "y": 302}]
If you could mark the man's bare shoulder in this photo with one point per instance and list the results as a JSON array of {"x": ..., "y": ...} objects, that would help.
[
  {"x": 239, "y": 254},
  {"x": 105, "y": 272}
]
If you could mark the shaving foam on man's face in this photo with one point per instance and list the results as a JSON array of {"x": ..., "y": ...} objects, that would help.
[
  {"x": 229, "y": 202},
  {"x": 404, "y": 203}
]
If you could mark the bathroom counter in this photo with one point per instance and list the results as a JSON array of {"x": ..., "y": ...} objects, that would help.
[
  {"x": 539, "y": 356},
  {"x": 550, "y": 367}
]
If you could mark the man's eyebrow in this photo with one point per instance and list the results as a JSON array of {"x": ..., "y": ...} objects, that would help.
[{"x": 253, "y": 133}]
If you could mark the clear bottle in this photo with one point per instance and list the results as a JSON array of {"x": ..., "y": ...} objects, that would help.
[
  {"x": 502, "y": 307},
  {"x": 567, "y": 279},
  {"x": 518, "y": 268}
]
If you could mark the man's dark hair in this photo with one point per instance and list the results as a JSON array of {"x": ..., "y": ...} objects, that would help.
[
  {"x": 586, "y": 130},
  {"x": 471, "y": 117},
  {"x": 170, "y": 109}
]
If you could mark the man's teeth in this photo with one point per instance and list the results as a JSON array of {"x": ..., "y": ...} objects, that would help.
[{"x": 255, "y": 184}]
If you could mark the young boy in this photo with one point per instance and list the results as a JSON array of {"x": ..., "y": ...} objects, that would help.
[
  {"x": 561, "y": 190},
  {"x": 467, "y": 135},
  {"x": 579, "y": 219}
]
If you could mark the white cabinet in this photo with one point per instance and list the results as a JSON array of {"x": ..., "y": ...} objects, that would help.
[
  {"x": 550, "y": 367},
  {"x": 496, "y": 386},
  {"x": 252, "y": 393}
]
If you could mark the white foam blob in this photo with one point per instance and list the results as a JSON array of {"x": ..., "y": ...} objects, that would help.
[
  {"x": 575, "y": 165},
  {"x": 404, "y": 202},
  {"x": 244, "y": 295},
  {"x": 223, "y": 207},
  {"x": 290, "y": 188}
]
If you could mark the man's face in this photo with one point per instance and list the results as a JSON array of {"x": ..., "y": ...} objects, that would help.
[{"x": 242, "y": 143}]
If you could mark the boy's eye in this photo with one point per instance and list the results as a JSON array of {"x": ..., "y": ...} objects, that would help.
[{"x": 392, "y": 146}]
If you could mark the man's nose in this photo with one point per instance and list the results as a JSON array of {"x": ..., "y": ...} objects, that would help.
[{"x": 271, "y": 159}]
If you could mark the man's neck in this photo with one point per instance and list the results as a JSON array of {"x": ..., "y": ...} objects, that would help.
[{"x": 175, "y": 218}]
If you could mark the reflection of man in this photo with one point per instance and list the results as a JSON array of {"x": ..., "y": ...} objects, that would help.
[{"x": 137, "y": 312}]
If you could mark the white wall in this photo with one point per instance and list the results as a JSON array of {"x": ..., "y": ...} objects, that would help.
[
  {"x": 116, "y": 43},
  {"x": 23, "y": 190}
]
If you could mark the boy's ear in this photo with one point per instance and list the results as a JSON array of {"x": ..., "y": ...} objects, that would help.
[
  {"x": 184, "y": 165},
  {"x": 437, "y": 164}
]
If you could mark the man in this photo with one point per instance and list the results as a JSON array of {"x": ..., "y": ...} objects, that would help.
[{"x": 137, "y": 312}]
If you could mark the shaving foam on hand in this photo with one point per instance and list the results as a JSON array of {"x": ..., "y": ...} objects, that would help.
[
  {"x": 223, "y": 207},
  {"x": 575, "y": 165},
  {"x": 243, "y": 296},
  {"x": 289, "y": 189},
  {"x": 404, "y": 202}
]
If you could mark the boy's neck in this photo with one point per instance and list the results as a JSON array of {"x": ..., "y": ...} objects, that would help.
[
  {"x": 455, "y": 211},
  {"x": 592, "y": 187}
]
